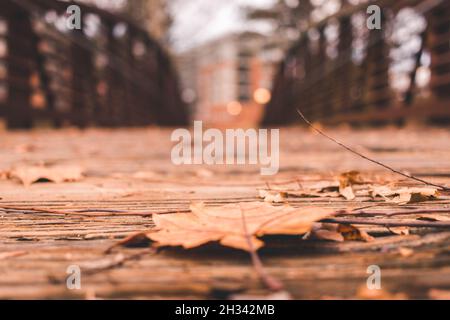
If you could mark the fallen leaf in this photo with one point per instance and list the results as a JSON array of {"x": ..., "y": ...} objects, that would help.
[
  {"x": 403, "y": 231},
  {"x": 343, "y": 187},
  {"x": 323, "y": 189},
  {"x": 272, "y": 196},
  {"x": 339, "y": 233},
  {"x": 346, "y": 181},
  {"x": 281, "y": 295},
  {"x": 404, "y": 195},
  {"x": 224, "y": 224},
  {"x": 351, "y": 178},
  {"x": 347, "y": 193},
  {"x": 381, "y": 191},
  {"x": 324, "y": 234},
  {"x": 135, "y": 240},
  {"x": 353, "y": 233},
  {"x": 57, "y": 174}
]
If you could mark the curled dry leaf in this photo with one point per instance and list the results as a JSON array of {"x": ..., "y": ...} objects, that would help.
[
  {"x": 342, "y": 187},
  {"x": 404, "y": 195},
  {"x": 351, "y": 178},
  {"x": 135, "y": 240},
  {"x": 339, "y": 233},
  {"x": 325, "y": 234},
  {"x": 402, "y": 231},
  {"x": 347, "y": 193},
  {"x": 353, "y": 233},
  {"x": 57, "y": 174},
  {"x": 346, "y": 181},
  {"x": 224, "y": 224}
]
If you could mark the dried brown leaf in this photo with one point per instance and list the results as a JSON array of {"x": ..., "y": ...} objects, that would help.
[
  {"x": 342, "y": 187},
  {"x": 350, "y": 178},
  {"x": 139, "y": 239},
  {"x": 353, "y": 233},
  {"x": 347, "y": 193},
  {"x": 57, "y": 174},
  {"x": 346, "y": 181},
  {"x": 224, "y": 224},
  {"x": 324, "y": 234},
  {"x": 404, "y": 195},
  {"x": 323, "y": 189},
  {"x": 339, "y": 233},
  {"x": 402, "y": 231}
]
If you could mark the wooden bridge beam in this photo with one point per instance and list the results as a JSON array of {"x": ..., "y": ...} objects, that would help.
[
  {"x": 77, "y": 90},
  {"x": 18, "y": 106},
  {"x": 439, "y": 44}
]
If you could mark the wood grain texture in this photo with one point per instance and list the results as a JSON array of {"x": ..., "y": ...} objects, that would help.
[{"x": 47, "y": 227}]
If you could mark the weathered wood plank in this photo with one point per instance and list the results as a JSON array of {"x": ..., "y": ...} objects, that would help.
[{"x": 52, "y": 226}]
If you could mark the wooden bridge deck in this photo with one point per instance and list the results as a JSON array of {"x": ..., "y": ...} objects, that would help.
[{"x": 130, "y": 170}]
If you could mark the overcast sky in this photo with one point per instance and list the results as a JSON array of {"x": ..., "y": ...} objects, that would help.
[{"x": 199, "y": 20}]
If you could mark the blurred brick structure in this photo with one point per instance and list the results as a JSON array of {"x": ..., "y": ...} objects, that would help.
[{"x": 227, "y": 81}]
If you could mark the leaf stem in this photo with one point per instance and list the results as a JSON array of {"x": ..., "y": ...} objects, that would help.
[{"x": 270, "y": 282}]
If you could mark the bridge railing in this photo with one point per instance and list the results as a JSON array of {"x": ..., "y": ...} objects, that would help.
[
  {"x": 342, "y": 71},
  {"x": 108, "y": 73}
]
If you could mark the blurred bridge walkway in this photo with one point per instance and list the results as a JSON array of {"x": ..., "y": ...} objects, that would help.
[{"x": 109, "y": 73}]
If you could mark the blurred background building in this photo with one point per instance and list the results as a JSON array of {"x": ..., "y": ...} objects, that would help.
[{"x": 227, "y": 81}]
